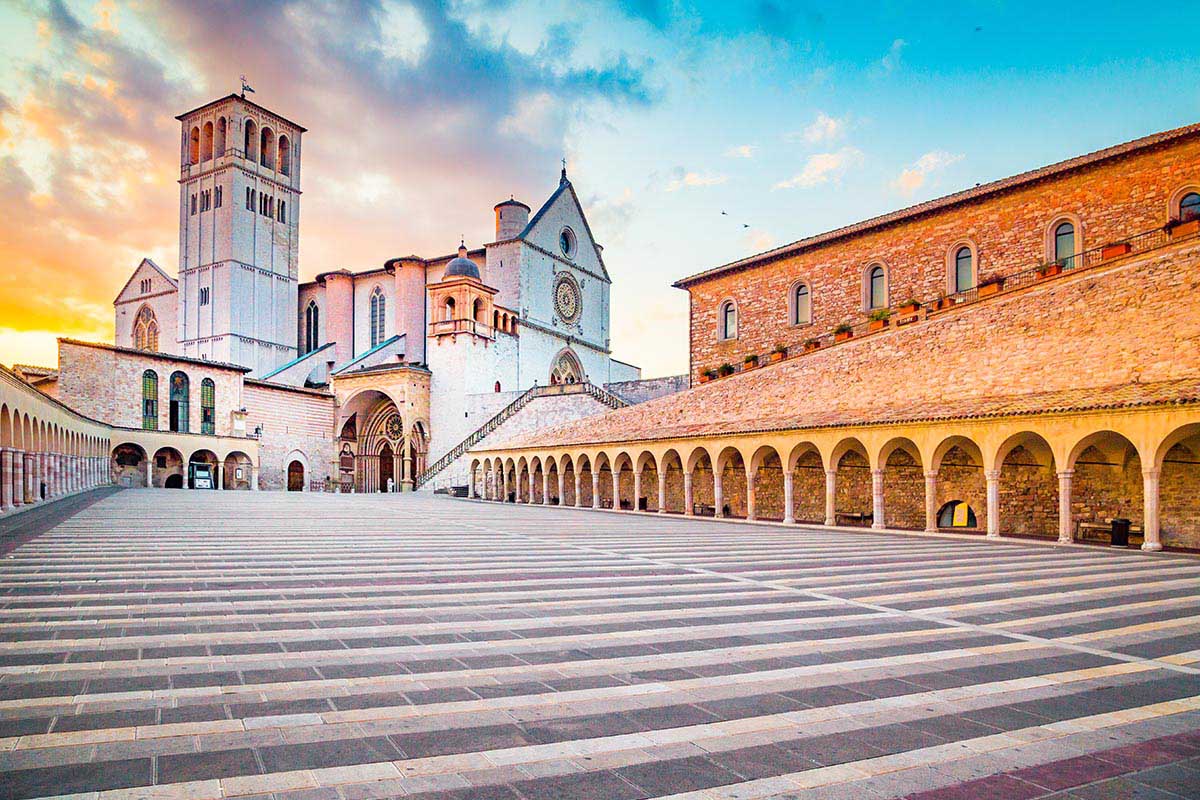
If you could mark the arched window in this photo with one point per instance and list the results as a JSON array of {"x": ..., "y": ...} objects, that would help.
[
  {"x": 208, "y": 406},
  {"x": 727, "y": 321},
  {"x": 179, "y": 402},
  {"x": 497, "y": 387},
  {"x": 219, "y": 142},
  {"x": 449, "y": 312},
  {"x": 145, "y": 330},
  {"x": 150, "y": 400},
  {"x": 964, "y": 270},
  {"x": 312, "y": 327},
  {"x": 206, "y": 149},
  {"x": 283, "y": 211},
  {"x": 251, "y": 141},
  {"x": 566, "y": 369},
  {"x": 1064, "y": 244},
  {"x": 194, "y": 147},
  {"x": 801, "y": 305},
  {"x": 876, "y": 288},
  {"x": 378, "y": 311},
  {"x": 1189, "y": 207},
  {"x": 285, "y": 156},
  {"x": 267, "y": 148},
  {"x": 477, "y": 310},
  {"x": 495, "y": 319}
]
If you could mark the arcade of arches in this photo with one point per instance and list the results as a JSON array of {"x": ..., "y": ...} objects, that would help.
[
  {"x": 1063, "y": 477},
  {"x": 378, "y": 449}
]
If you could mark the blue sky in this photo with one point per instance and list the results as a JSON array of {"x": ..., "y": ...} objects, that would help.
[{"x": 791, "y": 117}]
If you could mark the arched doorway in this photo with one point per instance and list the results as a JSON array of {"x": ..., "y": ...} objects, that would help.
[
  {"x": 566, "y": 369},
  {"x": 295, "y": 480},
  {"x": 129, "y": 465},
  {"x": 387, "y": 467}
]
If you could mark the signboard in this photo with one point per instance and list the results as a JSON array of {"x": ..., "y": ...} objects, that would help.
[{"x": 960, "y": 515}]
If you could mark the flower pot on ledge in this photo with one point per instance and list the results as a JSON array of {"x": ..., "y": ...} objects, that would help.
[
  {"x": 811, "y": 346},
  {"x": 909, "y": 308},
  {"x": 876, "y": 325},
  {"x": 1185, "y": 228},
  {"x": 777, "y": 356},
  {"x": 1115, "y": 250},
  {"x": 1049, "y": 270},
  {"x": 943, "y": 303},
  {"x": 705, "y": 378},
  {"x": 842, "y": 336},
  {"x": 749, "y": 365},
  {"x": 990, "y": 288}
]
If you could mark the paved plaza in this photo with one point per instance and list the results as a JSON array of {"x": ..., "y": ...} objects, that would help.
[{"x": 325, "y": 647}]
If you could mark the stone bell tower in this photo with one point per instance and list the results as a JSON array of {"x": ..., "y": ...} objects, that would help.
[{"x": 239, "y": 225}]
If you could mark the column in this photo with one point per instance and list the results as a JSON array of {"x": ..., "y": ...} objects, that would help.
[
  {"x": 789, "y": 488},
  {"x": 561, "y": 481},
  {"x": 530, "y": 500},
  {"x": 931, "y": 523},
  {"x": 595, "y": 487},
  {"x": 44, "y": 471},
  {"x": 637, "y": 489},
  {"x": 149, "y": 471},
  {"x": 993, "y": 502},
  {"x": 689, "y": 506},
  {"x": 751, "y": 493},
  {"x": 718, "y": 494},
  {"x": 545, "y": 487},
  {"x": 32, "y": 493},
  {"x": 578, "y": 493},
  {"x": 616, "y": 480},
  {"x": 1150, "y": 513},
  {"x": 877, "y": 519},
  {"x": 1066, "y": 534},
  {"x": 831, "y": 497},
  {"x": 504, "y": 487},
  {"x": 220, "y": 477},
  {"x": 662, "y": 491},
  {"x": 17, "y": 483},
  {"x": 6, "y": 470},
  {"x": 254, "y": 477}
]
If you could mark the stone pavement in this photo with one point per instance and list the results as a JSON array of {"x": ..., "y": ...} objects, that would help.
[{"x": 172, "y": 644}]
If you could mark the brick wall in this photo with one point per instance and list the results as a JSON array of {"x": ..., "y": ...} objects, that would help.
[
  {"x": 1112, "y": 200},
  {"x": 292, "y": 420}
]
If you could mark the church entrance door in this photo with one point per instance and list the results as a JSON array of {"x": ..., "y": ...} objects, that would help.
[
  {"x": 295, "y": 477},
  {"x": 387, "y": 466}
]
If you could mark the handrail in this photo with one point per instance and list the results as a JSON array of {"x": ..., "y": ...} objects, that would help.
[{"x": 553, "y": 390}]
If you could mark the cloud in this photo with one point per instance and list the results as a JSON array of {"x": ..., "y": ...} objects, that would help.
[
  {"x": 824, "y": 129},
  {"x": 913, "y": 178},
  {"x": 741, "y": 151},
  {"x": 891, "y": 60},
  {"x": 822, "y": 168},
  {"x": 756, "y": 240},
  {"x": 612, "y": 215},
  {"x": 681, "y": 178}
]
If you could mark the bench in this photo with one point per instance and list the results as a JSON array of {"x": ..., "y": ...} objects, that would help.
[
  {"x": 1101, "y": 531},
  {"x": 853, "y": 516},
  {"x": 704, "y": 510}
]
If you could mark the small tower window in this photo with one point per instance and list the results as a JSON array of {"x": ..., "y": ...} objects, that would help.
[
  {"x": 964, "y": 270},
  {"x": 267, "y": 148},
  {"x": 250, "y": 143},
  {"x": 312, "y": 330},
  {"x": 727, "y": 326},
  {"x": 876, "y": 287},
  {"x": 378, "y": 314},
  {"x": 1189, "y": 207},
  {"x": 206, "y": 147},
  {"x": 283, "y": 211},
  {"x": 1064, "y": 244},
  {"x": 219, "y": 142},
  {"x": 194, "y": 147},
  {"x": 285, "y": 156},
  {"x": 801, "y": 305}
]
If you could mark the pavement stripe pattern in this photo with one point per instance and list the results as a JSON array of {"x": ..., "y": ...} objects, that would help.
[{"x": 168, "y": 644}]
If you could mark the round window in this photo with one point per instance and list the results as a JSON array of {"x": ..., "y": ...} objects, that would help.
[{"x": 566, "y": 242}]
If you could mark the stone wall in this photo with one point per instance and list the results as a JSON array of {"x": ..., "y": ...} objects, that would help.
[
  {"x": 1009, "y": 231},
  {"x": 296, "y": 423},
  {"x": 640, "y": 391}
]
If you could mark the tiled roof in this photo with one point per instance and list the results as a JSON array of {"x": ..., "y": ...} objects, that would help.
[{"x": 949, "y": 200}]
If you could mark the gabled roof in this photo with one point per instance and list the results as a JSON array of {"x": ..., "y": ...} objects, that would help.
[
  {"x": 564, "y": 186},
  {"x": 386, "y": 342},
  {"x": 250, "y": 103},
  {"x": 156, "y": 267},
  {"x": 948, "y": 201},
  {"x": 297, "y": 360}
]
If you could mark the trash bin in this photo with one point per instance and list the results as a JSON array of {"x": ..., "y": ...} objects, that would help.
[{"x": 1120, "y": 532}]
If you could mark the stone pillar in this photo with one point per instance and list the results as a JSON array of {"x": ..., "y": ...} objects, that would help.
[
  {"x": 545, "y": 487},
  {"x": 578, "y": 492},
  {"x": 220, "y": 477},
  {"x": 6, "y": 471},
  {"x": 1150, "y": 513},
  {"x": 44, "y": 472},
  {"x": 718, "y": 494},
  {"x": 616, "y": 481},
  {"x": 1065, "y": 534},
  {"x": 831, "y": 497},
  {"x": 931, "y": 509},
  {"x": 993, "y": 502},
  {"x": 751, "y": 494},
  {"x": 504, "y": 487},
  {"x": 254, "y": 477},
  {"x": 529, "y": 501},
  {"x": 17, "y": 482},
  {"x": 149, "y": 472},
  {"x": 689, "y": 506},
  {"x": 595, "y": 488},
  {"x": 877, "y": 519},
  {"x": 637, "y": 490},
  {"x": 32, "y": 490},
  {"x": 662, "y": 491},
  {"x": 789, "y": 489},
  {"x": 561, "y": 481}
]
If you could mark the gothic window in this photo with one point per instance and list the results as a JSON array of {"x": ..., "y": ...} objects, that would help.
[
  {"x": 312, "y": 320},
  {"x": 249, "y": 199},
  {"x": 964, "y": 270},
  {"x": 267, "y": 148},
  {"x": 801, "y": 304},
  {"x": 218, "y": 201},
  {"x": 206, "y": 149},
  {"x": 283, "y": 211},
  {"x": 1064, "y": 243},
  {"x": 727, "y": 325},
  {"x": 566, "y": 369},
  {"x": 194, "y": 147},
  {"x": 193, "y": 205},
  {"x": 145, "y": 330},
  {"x": 285, "y": 156},
  {"x": 150, "y": 400},
  {"x": 876, "y": 287},
  {"x": 251, "y": 141},
  {"x": 1189, "y": 207},
  {"x": 179, "y": 390},
  {"x": 378, "y": 313},
  {"x": 145, "y": 285},
  {"x": 208, "y": 406}
]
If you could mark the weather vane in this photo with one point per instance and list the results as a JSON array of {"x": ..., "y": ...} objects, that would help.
[{"x": 246, "y": 87}]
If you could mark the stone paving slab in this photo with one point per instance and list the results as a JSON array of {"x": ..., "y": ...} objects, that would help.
[{"x": 171, "y": 644}]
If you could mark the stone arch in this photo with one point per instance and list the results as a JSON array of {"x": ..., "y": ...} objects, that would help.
[
  {"x": 128, "y": 463},
  {"x": 961, "y": 483},
  {"x": 808, "y": 483},
  {"x": 239, "y": 471},
  {"x": 622, "y": 467},
  {"x": 1106, "y": 480},
  {"x": 202, "y": 458},
  {"x": 537, "y": 472},
  {"x": 700, "y": 467},
  {"x": 671, "y": 466},
  {"x": 570, "y": 478},
  {"x": 1028, "y": 486},
  {"x": 250, "y": 140},
  {"x": 645, "y": 466},
  {"x": 903, "y": 479},
  {"x": 285, "y": 155},
  {"x": 853, "y": 500},
  {"x": 602, "y": 465},
  {"x": 194, "y": 145},
  {"x": 266, "y": 147},
  {"x": 206, "y": 143},
  {"x": 952, "y": 283},
  {"x": 1177, "y": 461},
  {"x": 583, "y": 468},
  {"x": 168, "y": 469},
  {"x": 553, "y": 495},
  {"x": 734, "y": 500},
  {"x": 765, "y": 484},
  {"x": 522, "y": 480}
]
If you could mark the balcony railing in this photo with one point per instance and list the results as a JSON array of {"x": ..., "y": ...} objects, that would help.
[
  {"x": 1143, "y": 242},
  {"x": 447, "y": 326}
]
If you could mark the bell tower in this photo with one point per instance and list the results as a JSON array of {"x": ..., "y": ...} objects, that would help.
[{"x": 239, "y": 225}]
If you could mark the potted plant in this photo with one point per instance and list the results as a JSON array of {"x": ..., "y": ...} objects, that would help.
[
  {"x": 879, "y": 319},
  {"x": 1179, "y": 227},
  {"x": 942, "y": 302},
  {"x": 812, "y": 344},
  {"x": 1115, "y": 250},
  {"x": 1049, "y": 270},
  {"x": 843, "y": 332},
  {"x": 707, "y": 375},
  {"x": 749, "y": 362},
  {"x": 991, "y": 286},
  {"x": 778, "y": 353},
  {"x": 725, "y": 369},
  {"x": 910, "y": 307}
]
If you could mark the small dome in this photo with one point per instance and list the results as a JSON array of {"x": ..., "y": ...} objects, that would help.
[{"x": 462, "y": 266}]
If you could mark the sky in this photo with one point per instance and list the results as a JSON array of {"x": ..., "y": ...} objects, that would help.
[{"x": 695, "y": 133}]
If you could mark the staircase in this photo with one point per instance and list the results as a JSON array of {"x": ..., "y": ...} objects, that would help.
[{"x": 453, "y": 454}]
